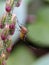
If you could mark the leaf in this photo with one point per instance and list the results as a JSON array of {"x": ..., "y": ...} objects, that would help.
[
  {"x": 39, "y": 32},
  {"x": 20, "y": 56}
]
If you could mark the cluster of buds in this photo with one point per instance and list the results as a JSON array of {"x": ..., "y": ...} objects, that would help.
[
  {"x": 7, "y": 27},
  {"x": 9, "y": 4}
]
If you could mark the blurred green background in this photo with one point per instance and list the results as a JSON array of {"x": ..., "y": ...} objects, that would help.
[{"x": 21, "y": 54}]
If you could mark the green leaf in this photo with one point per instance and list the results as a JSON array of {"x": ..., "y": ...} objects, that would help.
[
  {"x": 21, "y": 56},
  {"x": 39, "y": 32},
  {"x": 46, "y": 1},
  {"x": 43, "y": 14}
]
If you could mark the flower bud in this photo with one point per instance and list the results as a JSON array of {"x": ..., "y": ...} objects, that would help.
[
  {"x": 12, "y": 24},
  {"x": 3, "y": 63},
  {"x": 1, "y": 26},
  {"x": 5, "y": 33},
  {"x": 2, "y": 21},
  {"x": 8, "y": 41},
  {"x": 18, "y": 3},
  {"x": 9, "y": 4},
  {"x": 8, "y": 8},
  {"x": 12, "y": 28},
  {"x": 9, "y": 49},
  {"x": 3, "y": 37}
]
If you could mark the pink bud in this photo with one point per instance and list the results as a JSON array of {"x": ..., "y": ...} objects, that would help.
[
  {"x": 8, "y": 8},
  {"x": 3, "y": 63},
  {"x": 18, "y": 3},
  {"x": 12, "y": 26},
  {"x": 3, "y": 37},
  {"x": 1, "y": 25},
  {"x": 5, "y": 32},
  {"x": 9, "y": 49}
]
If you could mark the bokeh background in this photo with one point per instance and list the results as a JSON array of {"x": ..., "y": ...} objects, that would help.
[{"x": 28, "y": 52}]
